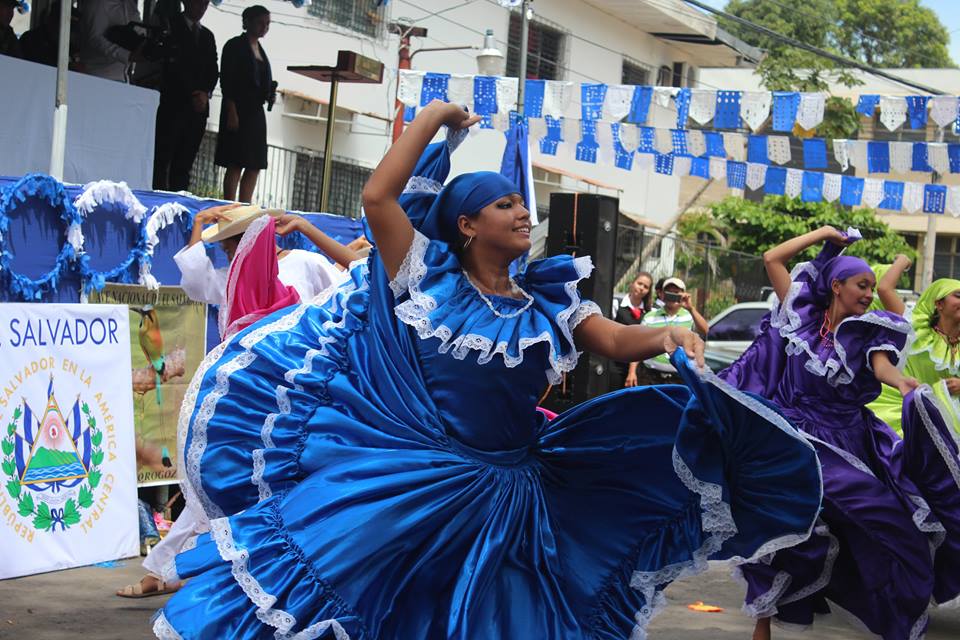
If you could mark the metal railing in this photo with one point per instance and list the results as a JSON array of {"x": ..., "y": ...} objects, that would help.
[
  {"x": 716, "y": 277},
  {"x": 291, "y": 180}
]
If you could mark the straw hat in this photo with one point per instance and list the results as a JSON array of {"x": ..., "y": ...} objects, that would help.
[{"x": 234, "y": 222}]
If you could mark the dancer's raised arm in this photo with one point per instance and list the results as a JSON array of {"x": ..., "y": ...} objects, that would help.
[
  {"x": 775, "y": 260},
  {"x": 630, "y": 343},
  {"x": 887, "y": 286},
  {"x": 388, "y": 221}
]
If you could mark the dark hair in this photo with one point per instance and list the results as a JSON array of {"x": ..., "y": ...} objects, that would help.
[
  {"x": 934, "y": 319},
  {"x": 252, "y": 13},
  {"x": 647, "y": 299},
  {"x": 659, "y": 285}
]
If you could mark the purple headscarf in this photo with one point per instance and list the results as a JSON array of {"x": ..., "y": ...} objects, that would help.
[{"x": 838, "y": 268}]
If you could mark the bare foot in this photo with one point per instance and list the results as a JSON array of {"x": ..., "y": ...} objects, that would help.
[
  {"x": 149, "y": 585},
  {"x": 762, "y": 630}
]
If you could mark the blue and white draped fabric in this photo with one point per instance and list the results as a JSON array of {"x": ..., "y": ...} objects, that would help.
[{"x": 375, "y": 467}]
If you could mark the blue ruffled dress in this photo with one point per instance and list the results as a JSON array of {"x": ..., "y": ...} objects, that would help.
[{"x": 374, "y": 466}]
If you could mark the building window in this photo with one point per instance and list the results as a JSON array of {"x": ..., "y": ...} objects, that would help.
[
  {"x": 946, "y": 261},
  {"x": 363, "y": 16},
  {"x": 544, "y": 50},
  {"x": 634, "y": 73}
]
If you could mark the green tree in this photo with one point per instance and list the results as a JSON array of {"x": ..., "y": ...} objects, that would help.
[
  {"x": 892, "y": 33},
  {"x": 758, "y": 226}
]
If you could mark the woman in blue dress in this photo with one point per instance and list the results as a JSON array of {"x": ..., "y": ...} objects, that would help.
[{"x": 374, "y": 466}]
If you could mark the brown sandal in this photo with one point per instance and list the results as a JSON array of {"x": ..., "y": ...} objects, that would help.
[{"x": 136, "y": 590}]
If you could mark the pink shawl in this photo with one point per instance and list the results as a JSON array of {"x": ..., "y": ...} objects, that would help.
[{"x": 254, "y": 289}]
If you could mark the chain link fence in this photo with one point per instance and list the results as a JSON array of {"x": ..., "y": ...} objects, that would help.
[
  {"x": 291, "y": 181},
  {"x": 716, "y": 277}
]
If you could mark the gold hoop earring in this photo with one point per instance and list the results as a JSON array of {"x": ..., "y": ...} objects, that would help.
[{"x": 467, "y": 243}]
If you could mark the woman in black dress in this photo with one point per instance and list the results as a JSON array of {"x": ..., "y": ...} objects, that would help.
[{"x": 246, "y": 83}]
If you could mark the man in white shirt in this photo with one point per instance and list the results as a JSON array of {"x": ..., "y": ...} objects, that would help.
[{"x": 99, "y": 56}]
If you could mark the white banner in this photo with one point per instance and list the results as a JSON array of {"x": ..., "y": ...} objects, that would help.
[{"x": 68, "y": 484}]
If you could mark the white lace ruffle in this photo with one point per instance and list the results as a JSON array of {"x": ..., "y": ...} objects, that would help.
[
  {"x": 833, "y": 550},
  {"x": 282, "y": 621},
  {"x": 163, "y": 629},
  {"x": 422, "y": 184},
  {"x": 765, "y": 605},
  {"x": 953, "y": 464},
  {"x": 415, "y": 312}
]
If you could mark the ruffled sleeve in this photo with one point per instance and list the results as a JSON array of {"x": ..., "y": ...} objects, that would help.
[
  {"x": 798, "y": 320},
  {"x": 435, "y": 298}
]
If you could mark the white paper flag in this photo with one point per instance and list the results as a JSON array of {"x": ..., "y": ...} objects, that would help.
[
  {"x": 857, "y": 150},
  {"x": 901, "y": 156},
  {"x": 556, "y": 98},
  {"x": 696, "y": 144},
  {"x": 912, "y": 197},
  {"x": 893, "y": 111},
  {"x": 943, "y": 110},
  {"x": 841, "y": 154},
  {"x": 681, "y": 166},
  {"x": 605, "y": 153},
  {"x": 756, "y": 175},
  {"x": 735, "y": 143},
  {"x": 953, "y": 201},
  {"x": 832, "y": 183},
  {"x": 794, "y": 184},
  {"x": 571, "y": 130},
  {"x": 810, "y": 113},
  {"x": 411, "y": 83},
  {"x": 662, "y": 96},
  {"x": 643, "y": 162},
  {"x": 538, "y": 128},
  {"x": 663, "y": 140},
  {"x": 872, "y": 192},
  {"x": 755, "y": 108},
  {"x": 718, "y": 168},
  {"x": 938, "y": 158},
  {"x": 506, "y": 95},
  {"x": 703, "y": 105},
  {"x": 616, "y": 103},
  {"x": 778, "y": 149},
  {"x": 460, "y": 90},
  {"x": 629, "y": 137}
]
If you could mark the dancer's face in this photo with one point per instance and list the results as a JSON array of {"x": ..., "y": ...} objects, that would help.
[
  {"x": 854, "y": 295},
  {"x": 503, "y": 225},
  {"x": 229, "y": 246},
  {"x": 949, "y": 307}
]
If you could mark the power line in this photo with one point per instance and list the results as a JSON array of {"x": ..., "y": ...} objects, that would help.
[{"x": 812, "y": 49}]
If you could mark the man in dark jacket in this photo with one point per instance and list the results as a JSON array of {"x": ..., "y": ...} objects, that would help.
[{"x": 189, "y": 77}]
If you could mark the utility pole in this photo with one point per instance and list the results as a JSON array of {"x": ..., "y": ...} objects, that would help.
[
  {"x": 58, "y": 149},
  {"x": 405, "y": 31},
  {"x": 930, "y": 240},
  {"x": 524, "y": 43}
]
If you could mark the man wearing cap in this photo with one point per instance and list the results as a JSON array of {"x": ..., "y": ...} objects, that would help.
[
  {"x": 678, "y": 310},
  {"x": 308, "y": 272}
]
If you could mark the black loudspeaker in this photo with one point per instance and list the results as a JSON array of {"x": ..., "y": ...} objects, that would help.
[{"x": 585, "y": 225}]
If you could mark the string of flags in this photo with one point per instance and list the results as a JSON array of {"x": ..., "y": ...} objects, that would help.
[{"x": 491, "y": 96}]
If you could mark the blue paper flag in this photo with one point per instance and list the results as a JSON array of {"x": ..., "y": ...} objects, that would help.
[
  {"x": 648, "y": 137},
  {"x": 851, "y": 191},
  {"x": 917, "y": 111},
  {"x": 812, "y": 190},
  {"x": 776, "y": 181},
  {"x": 920, "y": 158},
  {"x": 934, "y": 198},
  {"x": 679, "y": 142},
  {"x": 815, "y": 153},
  {"x": 663, "y": 163},
  {"x": 549, "y": 143},
  {"x": 485, "y": 95},
  {"x": 623, "y": 159},
  {"x": 700, "y": 167},
  {"x": 715, "y": 148},
  {"x": 878, "y": 157},
  {"x": 892, "y": 195},
  {"x": 736, "y": 174},
  {"x": 409, "y": 113},
  {"x": 434, "y": 88},
  {"x": 785, "y": 106},
  {"x": 757, "y": 150},
  {"x": 953, "y": 151},
  {"x": 486, "y": 122},
  {"x": 591, "y": 101},
  {"x": 727, "y": 115},
  {"x": 867, "y": 104},
  {"x": 683, "y": 107},
  {"x": 532, "y": 98},
  {"x": 640, "y": 105}
]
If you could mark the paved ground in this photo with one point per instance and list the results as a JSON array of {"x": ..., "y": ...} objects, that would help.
[{"x": 80, "y": 604}]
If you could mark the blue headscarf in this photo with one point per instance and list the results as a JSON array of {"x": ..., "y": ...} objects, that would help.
[{"x": 434, "y": 209}]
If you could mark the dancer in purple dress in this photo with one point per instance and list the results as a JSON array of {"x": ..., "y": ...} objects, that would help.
[{"x": 888, "y": 540}]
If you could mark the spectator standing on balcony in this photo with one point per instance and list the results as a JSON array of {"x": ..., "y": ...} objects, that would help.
[
  {"x": 188, "y": 80},
  {"x": 634, "y": 306},
  {"x": 9, "y": 45},
  {"x": 99, "y": 56},
  {"x": 246, "y": 83}
]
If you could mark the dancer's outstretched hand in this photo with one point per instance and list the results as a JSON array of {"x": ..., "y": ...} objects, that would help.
[
  {"x": 690, "y": 342},
  {"x": 907, "y": 385}
]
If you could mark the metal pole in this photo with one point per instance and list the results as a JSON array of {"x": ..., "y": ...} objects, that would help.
[
  {"x": 402, "y": 63},
  {"x": 59, "y": 145},
  {"x": 524, "y": 43},
  {"x": 328, "y": 146},
  {"x": 930, "y": 240}
]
